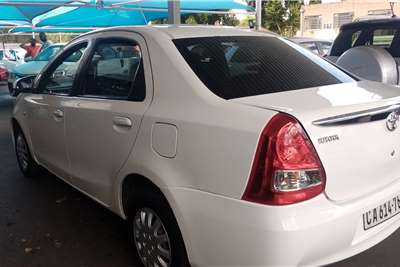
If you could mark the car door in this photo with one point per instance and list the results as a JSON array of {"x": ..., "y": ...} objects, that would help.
[
  {"x": 105, "y": 117},
  {"x": 47, "y": 110}
]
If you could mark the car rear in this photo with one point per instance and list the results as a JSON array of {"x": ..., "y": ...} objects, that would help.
[{"x": 324, "y": 180}]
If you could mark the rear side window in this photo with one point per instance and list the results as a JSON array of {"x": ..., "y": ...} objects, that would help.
[
  {"x": 240, "y": 66},
  {"x": 383, "y": 37}
]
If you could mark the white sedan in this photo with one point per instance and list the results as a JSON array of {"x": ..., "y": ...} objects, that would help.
[{"x": 221, "y": 147}]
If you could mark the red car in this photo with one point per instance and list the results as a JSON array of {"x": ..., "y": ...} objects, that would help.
[{"x": 3, "y": 73}]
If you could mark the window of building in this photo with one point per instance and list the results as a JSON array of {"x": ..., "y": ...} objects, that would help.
[
  {"x": 342, "y": 18},
  {"x": 313, "y": 22},
  {"x": 380, "y": 12}
]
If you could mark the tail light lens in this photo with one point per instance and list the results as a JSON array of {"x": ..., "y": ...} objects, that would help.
[{"x": 286, "y": 168}]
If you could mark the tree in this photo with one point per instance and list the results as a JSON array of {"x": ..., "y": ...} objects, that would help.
[
  {"x": 210, "y": 19},
  {"x": 274, "y": 16},
  {"x": 292, "y": 23},
  {"x": 312, "y": 2},
  {"x": 282, "y": 19}
]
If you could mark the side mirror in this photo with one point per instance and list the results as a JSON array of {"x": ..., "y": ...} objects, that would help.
[
  {"x": 23, "y": 85},
  {"x": 28, "y": 59}
]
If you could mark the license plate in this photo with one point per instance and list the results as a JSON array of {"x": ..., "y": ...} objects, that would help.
[{"x": 381, "y": 213}]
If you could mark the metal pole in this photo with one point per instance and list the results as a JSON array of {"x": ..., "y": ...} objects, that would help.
[
  {"x": 302, "y": 21},
  {"x": 174, "y": 12},
  {"x": 258, "y": 14}
]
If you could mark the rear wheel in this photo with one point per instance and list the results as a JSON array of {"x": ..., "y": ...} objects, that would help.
[
  {"x": 156, "y": 234},
  {"x": 11, "y": 89},
  {"x": 26, "y": 163}
]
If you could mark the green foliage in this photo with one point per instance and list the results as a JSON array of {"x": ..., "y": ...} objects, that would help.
[
  {"x": 210, "y": 19},
  {"x": 282, "y": 19},
  {"x": 273, "y": 17},
  {"x": 312, "y": 2}
]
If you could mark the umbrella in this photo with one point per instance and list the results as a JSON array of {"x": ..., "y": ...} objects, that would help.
[{"x": 106, "y": 13}]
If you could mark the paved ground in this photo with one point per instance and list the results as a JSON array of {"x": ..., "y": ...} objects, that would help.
[{"x": 44, "y": 222}]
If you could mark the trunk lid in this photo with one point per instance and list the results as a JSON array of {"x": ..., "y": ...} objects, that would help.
[{"x": 347, "y": 123}]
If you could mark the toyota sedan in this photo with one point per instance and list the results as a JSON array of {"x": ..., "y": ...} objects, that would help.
[{"x": 221, "y": 147}]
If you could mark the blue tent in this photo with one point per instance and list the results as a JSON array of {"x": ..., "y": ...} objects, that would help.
[
  {"x": 112, "y": 13},
  {"x": 17, "y": 13},
  {"x": 30, "y": 29}
]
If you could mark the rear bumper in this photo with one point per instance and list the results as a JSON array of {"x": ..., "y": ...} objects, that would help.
[{"x": 220, "y": 231}]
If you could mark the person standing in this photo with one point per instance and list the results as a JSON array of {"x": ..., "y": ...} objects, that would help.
[
  {"x": 45, "y": 42},
  {"x": 32, "y": 48}
]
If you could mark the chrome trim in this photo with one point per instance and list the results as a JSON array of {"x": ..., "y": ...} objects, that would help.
[{"x": 369, "y": 115}]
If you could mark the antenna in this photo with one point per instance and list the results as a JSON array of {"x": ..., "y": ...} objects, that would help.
[{"x": 392, "y": 3}]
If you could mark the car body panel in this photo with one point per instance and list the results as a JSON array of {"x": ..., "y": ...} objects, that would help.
[{"x": 216, "y": 142}]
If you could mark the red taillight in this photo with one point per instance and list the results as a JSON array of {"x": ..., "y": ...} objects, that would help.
[{"x": 286, "y": 168}]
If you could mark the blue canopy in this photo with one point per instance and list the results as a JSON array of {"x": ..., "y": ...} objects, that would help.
[
  {"x": 30, "y": 29},
  {"x": 23, "y": 14},
  {"x": 112, "y": 13}
]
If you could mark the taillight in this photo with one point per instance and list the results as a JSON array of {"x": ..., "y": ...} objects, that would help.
[{"x": 286, "y": 168}]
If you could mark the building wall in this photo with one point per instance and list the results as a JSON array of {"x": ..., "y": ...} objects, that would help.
[{"x": 328, "y": 9}]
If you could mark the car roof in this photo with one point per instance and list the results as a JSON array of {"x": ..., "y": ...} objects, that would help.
[
  {"x": 185, "y": 31},
  {"x": 385, "y": 22},
  {"x": 306, "y": 40}
]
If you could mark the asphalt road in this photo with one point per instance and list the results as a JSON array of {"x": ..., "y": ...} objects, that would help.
[{"x": 45, "y": 222}]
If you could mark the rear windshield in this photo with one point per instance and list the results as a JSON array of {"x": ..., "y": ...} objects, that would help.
[{"x": 240, "y": 66}]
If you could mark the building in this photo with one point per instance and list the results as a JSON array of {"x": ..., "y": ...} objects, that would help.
[{"x": 324, "y": 20}]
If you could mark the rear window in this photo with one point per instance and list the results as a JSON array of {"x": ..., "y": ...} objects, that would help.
[
  {"x": 377, "y": 36},
  {"x": 241, "y": 66}
]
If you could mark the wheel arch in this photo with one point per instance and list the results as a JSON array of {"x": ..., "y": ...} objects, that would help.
[{"x": 136, "y": 182}]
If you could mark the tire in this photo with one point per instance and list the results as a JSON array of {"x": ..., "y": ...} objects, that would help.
[
  {"x": 149, "y": 240},
  {"x": 11, "y": 89},
  {"x": 26, "y": 163}
]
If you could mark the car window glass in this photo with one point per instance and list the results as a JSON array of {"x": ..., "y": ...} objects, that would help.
[
  {"x": 115, "y": 71},
  {"x": 354, "y": 37},
  {"x": 310, "y": 46},
  {"x": 48, "y": 53},
  {"x": 1, "y": 55},
  {"x": 383, "y": 37},
  {"x": 325, "y": 46},
  {"x": 60, "y": 81},
  {"x": 240, "y": 66}
]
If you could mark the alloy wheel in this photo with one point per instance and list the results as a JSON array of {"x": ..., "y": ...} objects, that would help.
[
  {"x": 22, "y": 152},
  {"x": 151, "y": 239}
]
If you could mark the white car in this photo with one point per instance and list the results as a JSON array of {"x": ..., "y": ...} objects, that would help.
[
  {"x": 286, "y": 160},
  {"x": 12, "y": 57}
]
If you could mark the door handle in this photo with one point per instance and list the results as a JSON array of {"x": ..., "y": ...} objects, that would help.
[
  {"x": 122, "y": 122},
  {"x": 58, "y": 113}
]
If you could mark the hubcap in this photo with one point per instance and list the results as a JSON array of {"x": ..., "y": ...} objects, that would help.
[
  {"x": 151, "y": 239},
  {"x": 22, "y": 152}
]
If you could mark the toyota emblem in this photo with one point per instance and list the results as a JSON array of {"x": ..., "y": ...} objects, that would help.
[{"x": 392, "y": 121}]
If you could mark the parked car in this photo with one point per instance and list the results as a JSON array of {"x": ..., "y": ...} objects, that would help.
[
  {"x": 33, "y": 66},
  {"x": 317, "y": 46},
  {"x": 12, "y": 57},
  {"x": 3, "y": 72},
  {"x": 370, "y": 48},
  {"x": 212, "y": 163}
]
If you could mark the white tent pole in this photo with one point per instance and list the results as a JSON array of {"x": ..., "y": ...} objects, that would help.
[
  {"x": 258, "y": 14},
  {"x": 174, "y": 12}
]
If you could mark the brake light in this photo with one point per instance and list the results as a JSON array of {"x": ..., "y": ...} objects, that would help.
[{"x": 286, "y": 168}]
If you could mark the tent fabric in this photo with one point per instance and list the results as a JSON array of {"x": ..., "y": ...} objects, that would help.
[
  {"x": 29, "y": 29},
  {"x": 87, "y": 14},
  {"x": 24, "y": 14},
  {"x": 103, "y": 17}
]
